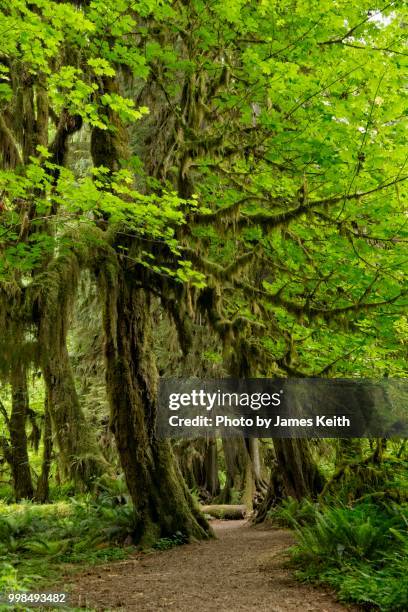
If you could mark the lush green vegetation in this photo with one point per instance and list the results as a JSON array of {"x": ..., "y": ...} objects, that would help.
[
  {"x": 356, "y": 544},
  {"x": 35, "y": 538},
  {"x": 209, "y": 189},
  {"x": 38, "y": 543},
  {"x": 362, "y": 551}
]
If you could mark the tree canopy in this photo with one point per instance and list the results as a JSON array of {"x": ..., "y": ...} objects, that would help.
[{"x": 241, "y": 168}]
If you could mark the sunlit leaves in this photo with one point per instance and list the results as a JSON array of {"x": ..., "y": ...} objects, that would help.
[{"x": 272, "y": 105}]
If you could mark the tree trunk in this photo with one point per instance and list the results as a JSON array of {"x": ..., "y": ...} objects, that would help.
[
  {"x": 198, "y": 461},
  {"x": 294, "y": 475},
  {"x": 20, "y": 466},
  {"x": 255, "y": 458},
  {"x": 42, "y": 491},
  {"x": 80, "y": 457},
  {"x": 259, "y": 484},
  {"x": 190, "y": 460},
  {"x": 235, "y": 456},
  {"x": 162, "y": 503},
  {"x": 300, "y": 474},
  {"x": 212, "y": 483}
]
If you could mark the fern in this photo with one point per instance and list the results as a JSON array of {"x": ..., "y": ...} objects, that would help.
[{"x": 361, "y": 551}]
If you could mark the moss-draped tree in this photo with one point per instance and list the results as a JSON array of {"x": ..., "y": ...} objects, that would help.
[{"x": 247, "y": 164}]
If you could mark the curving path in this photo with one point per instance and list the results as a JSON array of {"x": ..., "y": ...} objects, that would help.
[{"x": 242, "y": 570}]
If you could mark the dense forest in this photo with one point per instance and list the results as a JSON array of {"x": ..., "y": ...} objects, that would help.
[{"x": 210, "y": 189}]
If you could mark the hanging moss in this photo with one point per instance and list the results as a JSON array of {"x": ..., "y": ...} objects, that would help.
[
  {"x": 42, "y": 490},
  {"x": 162, "y": 502},
  {"x": 19, "y": 461},
  {"x": 51, "y": 297}
]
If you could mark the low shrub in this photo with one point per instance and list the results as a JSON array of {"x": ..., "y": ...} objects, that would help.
[
  {"x": 292, "y": 513},
  {"x": 361, "y": 551},
  {"x": 35, "y": 539}
]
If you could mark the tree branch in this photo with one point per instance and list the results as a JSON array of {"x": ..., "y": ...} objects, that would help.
[{"x": 270, "y": 221}]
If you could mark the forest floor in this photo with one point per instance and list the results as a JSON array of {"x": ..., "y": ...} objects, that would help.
[{"x": 243, "y": 569}]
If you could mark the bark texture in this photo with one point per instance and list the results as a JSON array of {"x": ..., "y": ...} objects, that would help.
[
  {"x": 295, "y": 474},
  {"x": 42, "y": 490},
  {"x": 162, "y": 503},
  {"x": 19, "y": 462},
  {"x": 80, "y": 457}
]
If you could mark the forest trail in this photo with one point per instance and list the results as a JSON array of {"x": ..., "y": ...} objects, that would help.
[{"x": 242, "y": 570}]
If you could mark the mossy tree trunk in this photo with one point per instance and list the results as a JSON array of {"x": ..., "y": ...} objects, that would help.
[
  {"x": 257, "y": 465},
  {"x": 42, "y": 490},
  {"x": 198, "y": 462},
  {"x": 163, "y": 504},
  {"x": 189, "y": 457},
  {"x": 256, "y": 476},
  {"x": 300, "y": 474},
  {"x": 80, "y": 457},
  {"x": 295, "y": 474},
  {"x": 235, "y": 456},
  {"x": 19, "y": 461},
  {"x": 211, "y": 482},
  {"x": 78, "y": 451}
]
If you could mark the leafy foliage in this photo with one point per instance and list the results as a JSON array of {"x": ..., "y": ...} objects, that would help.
[
  {"x": 35, "y": 540},
  {"x": 167, "y": 543},
  {"x": 293, "y": 513},
  {"x": 361, "y": 551},
  {"x": 245, "y": 167}
]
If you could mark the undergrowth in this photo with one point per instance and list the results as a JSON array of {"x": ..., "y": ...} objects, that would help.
[
  {"x": 361, "y": 551},
  {"x": 39, "y": 542},
  {"x": 356, "y": 544},
  {"x": 166, "y": 543},
  {"x": 35, "y": 540}
]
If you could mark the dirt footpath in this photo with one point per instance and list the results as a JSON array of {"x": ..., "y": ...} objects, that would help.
[{"x": 241, "y": 570}]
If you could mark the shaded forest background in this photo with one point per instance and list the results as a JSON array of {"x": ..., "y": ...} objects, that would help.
[{"x": 210, "y": 189}]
